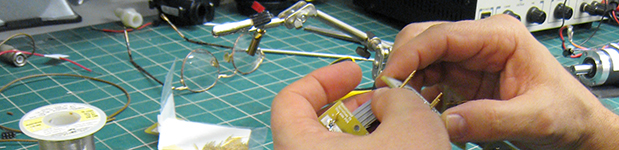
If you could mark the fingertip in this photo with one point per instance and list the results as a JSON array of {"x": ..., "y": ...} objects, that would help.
[
  {"x": 456, "y": 126},
  {"x": 346, "y": 64},
  {"x": 478, "y": 121}
]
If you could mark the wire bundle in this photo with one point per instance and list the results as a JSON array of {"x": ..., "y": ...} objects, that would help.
[{"x": 568, "y": 51}]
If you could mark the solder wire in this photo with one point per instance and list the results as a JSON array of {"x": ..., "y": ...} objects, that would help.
[{"x": 109, "y": 118}]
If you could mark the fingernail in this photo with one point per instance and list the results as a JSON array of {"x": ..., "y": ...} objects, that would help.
[
  {"x": 456, "y": 126},
  {"x": 380, "y": 91}
]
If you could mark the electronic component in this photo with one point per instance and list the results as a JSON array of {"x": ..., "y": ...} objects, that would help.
[
  {"x": 8, "y": 135},
  {"x": 337, "y": 118},
  {"x": 599, "y": 67},
  {"x": 16, "y": 58},
  {"x": 185, "y": 12},
  {"x": 536, "y": 14}
]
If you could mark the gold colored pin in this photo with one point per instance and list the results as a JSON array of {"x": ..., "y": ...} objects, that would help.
[
  {"x": 408, "y": 79},
  {"x": 436, "y": 100}
]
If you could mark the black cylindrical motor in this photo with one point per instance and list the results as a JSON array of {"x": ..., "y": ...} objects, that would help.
[{"x": 185, "y": 12}]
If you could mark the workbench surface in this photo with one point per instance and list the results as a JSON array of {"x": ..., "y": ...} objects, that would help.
[{"x": 243, "y": 100}]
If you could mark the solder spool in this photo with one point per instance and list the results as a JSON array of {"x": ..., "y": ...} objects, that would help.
[
  {"x": 16, "y": 58},
  {"x": 63, "y": 126}
]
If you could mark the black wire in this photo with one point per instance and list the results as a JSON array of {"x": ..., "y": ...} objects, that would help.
[
  {"x": 133, "y": 62},
  {"x": 562, "y": 24},
  {"x": 596, "y": 28},
  {"x": 204, "y": 43}
]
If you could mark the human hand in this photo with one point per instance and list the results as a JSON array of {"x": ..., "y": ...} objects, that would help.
[
  {"x": 295, "y": 124},
  {"x": 520, "y": 92}
]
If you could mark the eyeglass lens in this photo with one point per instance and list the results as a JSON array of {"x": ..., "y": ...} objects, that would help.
[
  {"x": 241, "y": 60},
  {"x": 200, "y": 70}
]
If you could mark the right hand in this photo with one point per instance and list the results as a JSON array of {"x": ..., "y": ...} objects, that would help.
[{"x": 519, "y": 91}]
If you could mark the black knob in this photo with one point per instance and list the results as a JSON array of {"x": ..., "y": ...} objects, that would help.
[
  {"x": 536, "y": 15},
  {"x": 600, "y": 8},
  {"x": 595, "y": 8},
  {"x": 563, "y": 12},
  {"x": 511, "y": 13}
]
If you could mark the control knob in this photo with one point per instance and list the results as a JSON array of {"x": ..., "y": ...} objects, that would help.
[{"x": 536, "y": 15}]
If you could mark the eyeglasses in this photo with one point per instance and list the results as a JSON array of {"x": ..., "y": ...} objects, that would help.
[
  {"x": 245, "y": 64},
  {"x": 201, "y": 70}
]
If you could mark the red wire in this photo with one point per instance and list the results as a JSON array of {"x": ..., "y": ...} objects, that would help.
[
  {"x": 563, "y": 42},
  {"x": 561, "y": 36},
  {"x": 121, "y": 31},
  {"x": 615, "y": 16},
  {"x": 81, "y": 66},
  {"x": 41, "y": 55}
]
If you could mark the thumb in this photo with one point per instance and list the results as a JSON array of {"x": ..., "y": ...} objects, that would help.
[
  {"x": 403, "y": 115},
  {"x": 489, "y": 120}
]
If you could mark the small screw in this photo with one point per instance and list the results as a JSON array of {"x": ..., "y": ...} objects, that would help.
[{"x": 9, "y": 113}]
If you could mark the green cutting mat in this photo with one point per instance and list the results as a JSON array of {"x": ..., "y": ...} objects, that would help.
[{"x": 243, "y": 100}]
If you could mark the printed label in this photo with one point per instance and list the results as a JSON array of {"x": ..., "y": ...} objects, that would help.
[
  {"x": 35, "y": 124},
  {"x": 87, "y": 114},
  {"x": 35, "y": 121}
]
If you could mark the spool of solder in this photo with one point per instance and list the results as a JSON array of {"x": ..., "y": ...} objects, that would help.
[{"x": 66, "y": 126}]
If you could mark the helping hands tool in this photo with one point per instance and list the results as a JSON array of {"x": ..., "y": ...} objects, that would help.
[{"x": 295, "y": 16}]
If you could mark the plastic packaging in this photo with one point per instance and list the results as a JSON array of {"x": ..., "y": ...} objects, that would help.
[{"x": 175, "y": 133}]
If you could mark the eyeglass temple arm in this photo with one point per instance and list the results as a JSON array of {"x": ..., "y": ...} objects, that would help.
[{"x": 138, "y": 67}]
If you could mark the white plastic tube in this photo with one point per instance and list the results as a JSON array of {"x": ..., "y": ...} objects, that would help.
[{"x": 129, "y": 17}]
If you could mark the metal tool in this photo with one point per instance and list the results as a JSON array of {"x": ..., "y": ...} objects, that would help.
[
  {"x": 296, "y": 15},
  {"x": 331, "y": 33},
  {"x": 599, "y": 67},
  {"x": 313, "y": 54}
]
